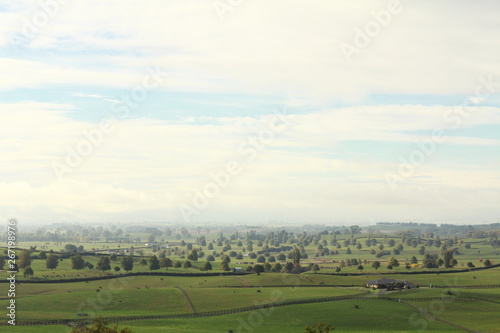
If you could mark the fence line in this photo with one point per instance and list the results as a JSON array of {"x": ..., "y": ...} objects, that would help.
[
  {"x": 188, "y": 315},
  {"x": 239, "y": 310}
]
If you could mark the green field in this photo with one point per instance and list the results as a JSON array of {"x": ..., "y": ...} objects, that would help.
[
  {"x": 483, "y": 277},
  {"x": 378, "y": 316},
  {"x": 164, "y": 295}
]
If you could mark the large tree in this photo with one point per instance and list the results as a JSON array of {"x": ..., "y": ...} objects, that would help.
[
  {"x": 24, "y": 259},
  {"x": 376, "y": 264},
  {"x": 166, "y": 262},
  {"x": 258, "y": 269},
  {"x": 448, "y": 257},
  {"x": 296, "y": 255},
  {"x": 355, "y": 229},
  {"x": 154, "y": 263},
  {"x": 193, "y": 256},
  {"x": 52, "y": 261},
  {"x": 70, "y": 248},
  {"x": 127, "y": 263},
  {"x": 28, "y": 272},
  {"x": 429, "y": 260},
  {"x": 103, "y": 264},
  {"x": 207, "y": 266},
  {"x": 77, "y": 262},
  {"x": 393, "y": 262},
  {"x": 224, "y": 266}
]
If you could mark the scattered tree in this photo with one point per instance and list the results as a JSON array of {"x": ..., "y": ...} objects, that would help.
[
  {"x": 187, "y": 264},
  {"x": 277, "y": 267},
  {"x": 77, "y": 262},
  {"x": 103, "y": 264},
  {"x": 24, "y": 259},
  {"x": 154, "y": 263},
  {"x": 52, "y": 261},
  {"x": 393, "y": 262},
  {"x": 289, "y": 266},
  {"x": 207, "y": 266},
  {"x": 28, "y": 272},
  {"x": 448, "y": 257},
  {"x": 224, "y": 266},
  {"x": 127, "y": 263},
  {"x": 166, "y": 262}
]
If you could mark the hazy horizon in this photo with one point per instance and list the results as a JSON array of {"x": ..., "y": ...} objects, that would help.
[{"x": 293, "y": 112}]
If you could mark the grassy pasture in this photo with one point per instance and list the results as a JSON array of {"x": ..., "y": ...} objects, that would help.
[
  {"x": 487, "y": 293},
  {"x": 147, "y": 295},
  {"x": 157, "y": 295},
  {"x": 228, "y": 298},
  {"x": 479, "y": 250},
  {"x": 377, "y": 316},
  {"x": 477, "y": 315},
  {"x": 483, "y": 277}
]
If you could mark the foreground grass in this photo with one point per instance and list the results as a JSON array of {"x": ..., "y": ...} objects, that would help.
[
  {"x": 377, "y": 316},
  {"x": 476, "y": 315},
  {"x": 148, "y": 295}
]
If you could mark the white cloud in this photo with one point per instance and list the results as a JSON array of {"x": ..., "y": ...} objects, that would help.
[
  {"x": 104, "y": 98},
  {"x": 148, "y": 167},
  {"x": 283, "y": 47}
]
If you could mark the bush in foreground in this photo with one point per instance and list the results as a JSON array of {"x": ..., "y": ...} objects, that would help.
[{"x": 100, "y": 326}]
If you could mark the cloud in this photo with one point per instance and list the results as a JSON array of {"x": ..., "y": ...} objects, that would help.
[
  {"x": 148, "y": 167},
  {"x": 329, "y": 164},
  {"x": 104, "y": 98},
  {"x": 289, "y": 48}
]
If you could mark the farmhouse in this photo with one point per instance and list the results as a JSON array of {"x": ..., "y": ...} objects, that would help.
[{"x": 385, "y": 283}]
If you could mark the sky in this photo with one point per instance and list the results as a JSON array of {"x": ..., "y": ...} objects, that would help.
[{"x": 237, "y": 111}]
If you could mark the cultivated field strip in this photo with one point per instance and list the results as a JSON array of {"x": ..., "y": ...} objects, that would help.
[{"x": 193, "y": 315}]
